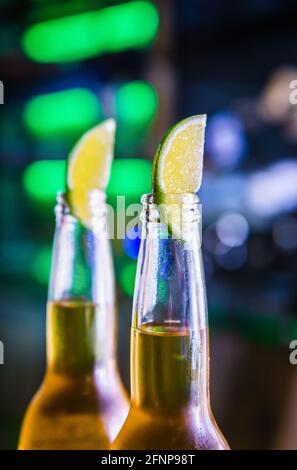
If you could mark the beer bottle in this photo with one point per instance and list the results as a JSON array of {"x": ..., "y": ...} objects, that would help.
[
  {"x": 81, "y": 403},
  {"x": 170, "y": 406}
]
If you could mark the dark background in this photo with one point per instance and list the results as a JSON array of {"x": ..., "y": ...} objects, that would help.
[{"x": 232, "y": 60}]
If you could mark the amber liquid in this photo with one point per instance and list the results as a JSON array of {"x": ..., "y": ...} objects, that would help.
[
  {"x": 168, "y": 410},
  {"x": 81, "y": 403}
]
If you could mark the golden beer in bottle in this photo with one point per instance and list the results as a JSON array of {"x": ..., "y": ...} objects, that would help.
[
  {"x": 170, "y": 407},
  {"x": 81, "y": 403}
]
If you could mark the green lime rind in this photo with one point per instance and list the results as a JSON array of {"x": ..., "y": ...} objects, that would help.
[{"x": 157, "y": 191}]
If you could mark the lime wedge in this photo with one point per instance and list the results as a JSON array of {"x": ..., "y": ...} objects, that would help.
[
  {"x": 177, "y": 167},
  {"x": 88, "y": 167}
]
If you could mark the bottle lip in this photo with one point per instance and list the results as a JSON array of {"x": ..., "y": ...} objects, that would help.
[
  {"x": 62, "y": 204},
  {"x": 173, "y": 198},
  {"x": 185, "y": 208}
]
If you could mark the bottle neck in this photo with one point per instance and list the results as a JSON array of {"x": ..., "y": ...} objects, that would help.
[
  {"x": 169, "y": 369},
  {"x": 81, "y": 303},
  {"x": 169, "y": 339}
]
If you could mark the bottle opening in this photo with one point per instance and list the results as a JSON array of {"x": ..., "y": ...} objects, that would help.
[
  {"x": 174, "y": 211},
  {"x": 178, "y": 198}
]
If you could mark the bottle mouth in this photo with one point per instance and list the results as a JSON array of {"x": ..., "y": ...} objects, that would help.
[
  {"x": 173, "y": 198},
  {"x": 185, "y": 208}
]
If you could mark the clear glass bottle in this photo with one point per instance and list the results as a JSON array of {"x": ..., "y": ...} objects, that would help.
[
  {"x": 170, "y": 406},
  {"x": 81, "y": 403}
]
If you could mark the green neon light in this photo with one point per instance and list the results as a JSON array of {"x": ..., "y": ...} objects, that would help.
[
  {"x": 43, "y": 179},
  {"x": 136, "y": 104},
  {"x": 41, "y": 265},
  {"x": 63, "y": 112},
  {"x": 130, "y": 177},
  {"x": 127, "y": 278},
  {"x": 111, "y": 29}
]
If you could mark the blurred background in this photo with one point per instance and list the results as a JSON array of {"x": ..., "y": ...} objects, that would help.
[{"x": 149, "y": 65}]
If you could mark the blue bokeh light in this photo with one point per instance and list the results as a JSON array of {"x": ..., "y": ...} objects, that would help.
[
  {"x": 131, "y": 242},
  {"x": 226, "y": 141}
]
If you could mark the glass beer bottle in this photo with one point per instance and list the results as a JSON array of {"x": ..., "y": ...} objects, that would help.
[
  {"x": 81, "y": 403},
  {"x": 170, "y": 407}
]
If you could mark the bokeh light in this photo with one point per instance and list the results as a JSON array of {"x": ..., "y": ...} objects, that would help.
[
  {"x": 62, "y": 112},
  {"x": 131, "y": 242},
  {"x": 112, "y": 29},
  {"x": 232, "y": 229},
  {"x": 43, "y": 179},
  {"x": 273, "y": 190},
  {"x": 226, "y": 141},
  {"x": 136, "y": 104},
  {"x": 130, "y": 177},
  {"x": 41, "y": 264},
  {"x": 127, "y": 278}
]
